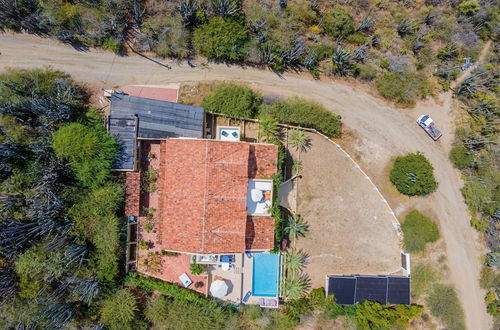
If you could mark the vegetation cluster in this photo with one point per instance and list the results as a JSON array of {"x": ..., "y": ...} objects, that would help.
[
  {"x": 406, "y": 49},
  {"x": 476, "y": 154},
  {"x": 59, "y": 233}
]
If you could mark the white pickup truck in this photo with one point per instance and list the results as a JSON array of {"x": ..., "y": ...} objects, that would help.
[{"x": 426, "y": 122}]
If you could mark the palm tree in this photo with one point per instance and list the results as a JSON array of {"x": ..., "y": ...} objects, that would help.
[
  {"x": 296, "y": 227},
  {"x": 268, "y": 127},
  {"x": 295, "y": 287},
  {"x": 299, "y": 140},
  {"x": 294, "y": 260}
]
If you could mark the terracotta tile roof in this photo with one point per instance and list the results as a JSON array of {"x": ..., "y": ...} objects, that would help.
[
  {"x": 262, "y": 161},
  {"x": 132, "y": 193},
  {"x": 260, "y": 233},
  {"x": 203, "y": 200},
  {"x": 151, "y": 92}
]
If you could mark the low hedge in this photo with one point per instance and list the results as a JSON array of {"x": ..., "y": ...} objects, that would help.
[{"x": 302, "y": 112}]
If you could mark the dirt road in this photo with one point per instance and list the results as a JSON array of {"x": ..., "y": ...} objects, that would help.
[{"x": 383, "y": 131}]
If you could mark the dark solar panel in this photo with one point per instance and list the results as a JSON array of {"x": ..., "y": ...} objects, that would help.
[
  {"x": 343, "y": 288},
  {"x": 371, "y": 288},
  {"x": 399, "y": 290},
  {"x": 383, "y": 289},
  {"x": 156, "y": 120}
]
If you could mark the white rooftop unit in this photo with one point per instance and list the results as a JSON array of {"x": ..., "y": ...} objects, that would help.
[{"x": 228, "y": 133}]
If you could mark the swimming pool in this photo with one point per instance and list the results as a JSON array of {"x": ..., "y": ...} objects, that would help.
[{"x": 266, "y": 274}]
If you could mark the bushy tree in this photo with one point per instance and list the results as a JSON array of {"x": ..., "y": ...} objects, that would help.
[
  {"x": 299, "y": 139},
  {"x": 337, "y": 22},
  {"x": 118, "y": 311},
  {"x": 89, "y": 150},
  {"x": 221, "y": 39},
  {"x": 413, "y": 175},
  {"x": 418, "y": 231},
  {"x": 233, "y": 100},
  {"x": 296, "y": 286}
]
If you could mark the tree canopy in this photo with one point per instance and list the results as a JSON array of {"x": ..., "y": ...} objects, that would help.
[{"x": 413, "y": 175}]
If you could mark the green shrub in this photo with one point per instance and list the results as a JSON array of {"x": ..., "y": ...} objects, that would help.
[
  {"x": 233, "y": 100},
  {"x": 305, "y": 113},
  {"x": 367, "y": 72},
  {"x": 357, "y": 38},
  {"x": 444, "y": 304},
  {"x": 461, "y": 157},
  {"x": 196, "y": 269},
  {"x": 468, "y": 7},
  {"x": 221, "y": 38},
  {"x": 372, "y": 315},
  {"x": 335, "y": 310},
  {"x": 118, "y": 311},
  {"x": 418, "y": 230},
  {"x": 338, "y": 22},
  {"x": 413, "y": 175},
  {"x": 89, "y": 150},
  {"x": 404, "y": 88},
  {"x": 423, "y": 276}
]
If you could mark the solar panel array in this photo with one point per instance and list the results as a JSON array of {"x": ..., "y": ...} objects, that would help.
[
  {"x": 349, "y": 290},
  {"x": 155, "y": 120}
]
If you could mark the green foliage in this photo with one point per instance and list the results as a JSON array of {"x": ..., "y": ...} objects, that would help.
[
  {"x": 196, "y": 269},
  {"x": 423, "y": 276},
  {"x": 294, "y": 260},
  {"x": 222, "y": 39},
  {"x": 96, "y": 221},
  {"x": 233, "y": 100},
  {"x": 493, "y": 259},
  {"x": 403, "y": 88},
  {"x": 338, "y": 22},
  {"x": 468, "y": 7},
  {"x": 444, "y": 304},
  {"x": 335, "y": 310},
  {"x": 268, "y": 127},
  {"x": 296, "y": 227},
  {"x": 299, "y": 139},
  {"x": 157, "y": 311},
  {"x": 461, "y": 157},
  {"x": 119, "y": 310},
  {"x": 169, "y": 36},
  {"x": 418, "y": 231},
  {"x": 372, "y": 315},
  {"x": 413, "y": 175},
  {"x": 367, "y": 72},
  {"x": 299, "y": 111},
  {"x": 89, "y": 150},
  {"x": 295, "y": 286}
]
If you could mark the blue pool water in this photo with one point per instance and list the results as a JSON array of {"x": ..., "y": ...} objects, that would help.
[{"x": 266, "y": 275}]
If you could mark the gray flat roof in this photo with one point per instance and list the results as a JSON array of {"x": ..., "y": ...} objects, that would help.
[{"x": 137, "y": 117}]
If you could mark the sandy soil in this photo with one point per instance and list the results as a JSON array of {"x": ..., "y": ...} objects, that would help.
[
  {"x": 383, "y": 132},
  {"x": 346, "y": 215}
]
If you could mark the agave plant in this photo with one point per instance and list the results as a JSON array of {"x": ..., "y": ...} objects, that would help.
[
  {"x": 295, "y": 287},
  {"x": 299, "y": 140},
  {"x": 296, "y": 227},
  {"x": 365, "y": 25},
  {"x": 406, "y": 27},
  {"x": 342, "y": 61},
  {"x": 187, "y": 9},
  {"x": 359, "y": 54},
  {"x": 225, "y": 8},
  {"x": 311, "y": 60},
  {"x": 295, "y": 260},
  {"x": 268, "y": 54},
  {"x": 429, "y": 18},
  {"x": 282, "y": 3}
]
